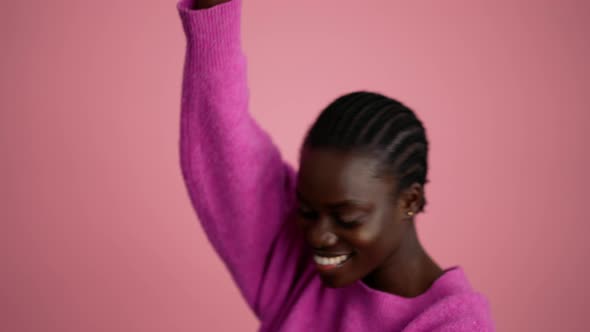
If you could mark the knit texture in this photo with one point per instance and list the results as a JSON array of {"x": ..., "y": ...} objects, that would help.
[{"x": 243, "y": 193}]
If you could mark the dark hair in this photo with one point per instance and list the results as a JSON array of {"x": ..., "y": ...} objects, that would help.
[{"x": 372, "y": 123}]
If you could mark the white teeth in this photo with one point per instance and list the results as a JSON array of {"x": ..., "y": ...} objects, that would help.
[{"x": 329, "y": 260}]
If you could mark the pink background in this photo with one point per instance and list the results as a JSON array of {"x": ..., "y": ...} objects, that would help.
[{"x": 97, "y": 232}]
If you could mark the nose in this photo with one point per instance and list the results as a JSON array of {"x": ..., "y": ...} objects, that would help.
[{"x": 320, "y": 234}]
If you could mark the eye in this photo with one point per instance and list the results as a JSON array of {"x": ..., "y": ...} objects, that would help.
[
  {"x": 306, "y": 213},
  {"x": 348, "y": 223}
]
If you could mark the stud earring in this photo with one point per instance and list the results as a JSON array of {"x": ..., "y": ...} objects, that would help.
[{"x": 410, "y": 213}]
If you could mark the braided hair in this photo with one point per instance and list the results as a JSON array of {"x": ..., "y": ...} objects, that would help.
[{"x": 372, "y": 123}]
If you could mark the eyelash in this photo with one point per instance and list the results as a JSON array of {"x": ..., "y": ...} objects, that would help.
[
  {"x": 311, "y": 215},
  {"x": 305, "y": 214},
  {"x": 348, "y": 223}
]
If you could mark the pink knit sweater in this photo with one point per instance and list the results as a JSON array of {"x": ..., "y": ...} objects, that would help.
[{"x": 243, "y": 194}]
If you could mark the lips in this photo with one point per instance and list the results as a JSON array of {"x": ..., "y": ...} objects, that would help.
[{"x": 330, "y": 261}]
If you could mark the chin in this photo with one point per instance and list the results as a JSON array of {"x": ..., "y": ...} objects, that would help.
[{"x": 336, "y": 281}]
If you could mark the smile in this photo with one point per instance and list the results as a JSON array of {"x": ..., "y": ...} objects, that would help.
[{"x": 324, "y": 263}]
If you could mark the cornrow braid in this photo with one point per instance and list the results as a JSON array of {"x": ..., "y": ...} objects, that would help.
[{"x": 371, "y": 122}]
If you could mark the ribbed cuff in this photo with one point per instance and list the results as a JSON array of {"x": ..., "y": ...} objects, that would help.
[{"x": 213, "y": 33}]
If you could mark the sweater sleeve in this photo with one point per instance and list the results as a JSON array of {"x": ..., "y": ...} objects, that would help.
[{"x": 238, "y": 183}]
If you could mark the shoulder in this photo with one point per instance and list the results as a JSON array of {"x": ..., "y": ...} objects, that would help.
[
  {"x": 454, "y": 306},
  {"x": 468, "y": 311}
]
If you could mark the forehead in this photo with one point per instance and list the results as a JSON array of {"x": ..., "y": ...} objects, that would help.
[{"x": 332, "y": 175}]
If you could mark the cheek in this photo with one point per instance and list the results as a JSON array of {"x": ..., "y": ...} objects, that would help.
[
  {"x": 299, "y": 221},
  {"x": 371, "y": 234},
  {"x": 366, "y": 237},
  {"x": 378, "y": 237}
]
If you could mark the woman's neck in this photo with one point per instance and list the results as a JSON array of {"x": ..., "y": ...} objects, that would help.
[{"x": 408, "y": 272}]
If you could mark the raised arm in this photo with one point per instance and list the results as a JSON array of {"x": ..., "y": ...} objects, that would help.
[{"x": 238, "y": 183}]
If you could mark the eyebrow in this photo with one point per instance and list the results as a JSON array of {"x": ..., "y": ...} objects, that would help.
[{"x": 344, "y": 203}]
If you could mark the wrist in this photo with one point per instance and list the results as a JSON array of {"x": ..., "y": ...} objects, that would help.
[{"x": 203, "y": 4}]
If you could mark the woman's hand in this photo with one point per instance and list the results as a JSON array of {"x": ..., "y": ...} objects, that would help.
[{"x": 202, "y": 4}]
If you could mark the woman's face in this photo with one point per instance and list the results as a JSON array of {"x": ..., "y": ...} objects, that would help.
[{"x": 349, "y": 217}]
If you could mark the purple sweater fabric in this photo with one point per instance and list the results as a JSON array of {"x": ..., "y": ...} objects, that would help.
[{"x": 243, "y": 193}]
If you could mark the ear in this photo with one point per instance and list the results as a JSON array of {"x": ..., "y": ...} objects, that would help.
[{"x": 410, "y": 199}]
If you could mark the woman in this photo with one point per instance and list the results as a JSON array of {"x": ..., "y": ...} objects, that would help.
[{"x": 333, "y": 246}]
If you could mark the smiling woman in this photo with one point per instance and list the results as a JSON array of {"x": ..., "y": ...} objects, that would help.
[
  {"x": 337, "y": 236},
  {"x": 347, "y": 210},
  {"x": 370, "y": 151}
]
